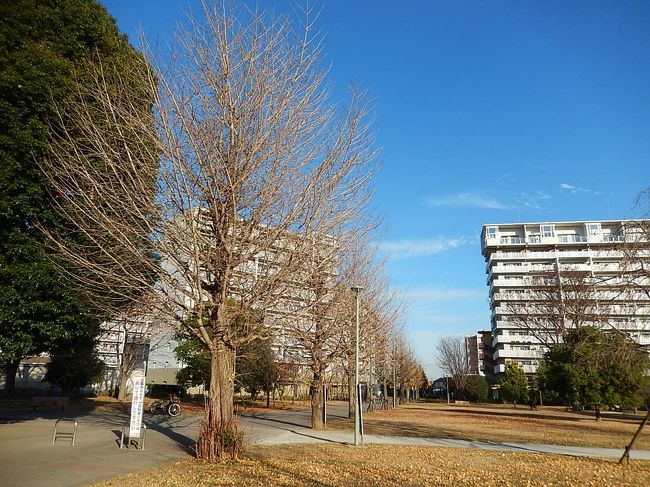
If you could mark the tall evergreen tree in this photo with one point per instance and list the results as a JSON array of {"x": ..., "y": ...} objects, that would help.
[
  {"x": 44, "y": 48},
  {"x": 595, "y": 368}
]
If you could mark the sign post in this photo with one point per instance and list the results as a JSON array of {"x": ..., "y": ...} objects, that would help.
[{"x": 137, "y": 403}]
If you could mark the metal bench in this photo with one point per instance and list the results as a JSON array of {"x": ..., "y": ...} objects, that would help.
[{"x": 49, "y": 402}]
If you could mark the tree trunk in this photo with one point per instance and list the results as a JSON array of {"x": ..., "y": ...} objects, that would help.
[
  {"x": 352, "y": 397},
  {"x": 268, "y": 398},
  {"x": 124, "y": 377},
  {"x": 317, "y": 401},
  {"x": 218, "y": 435},
  {"x": 598, "y": 415},
  {"x": 11, "y": 368}
]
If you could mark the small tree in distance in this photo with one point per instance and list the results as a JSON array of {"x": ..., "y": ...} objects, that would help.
[
  {"x": 476, "y": 388},
  {"x": 452, "y": 359},
  {"x": 513, "y": 384}
]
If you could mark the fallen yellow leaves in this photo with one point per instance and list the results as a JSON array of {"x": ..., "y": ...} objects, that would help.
[
  {"x": 503, "y": 423},
  {"x": 339, "y": 465}
]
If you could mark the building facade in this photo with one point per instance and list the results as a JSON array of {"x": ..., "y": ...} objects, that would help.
[
  {"x": 478, "y": 348},
  {"x": 549, "y": 276}
]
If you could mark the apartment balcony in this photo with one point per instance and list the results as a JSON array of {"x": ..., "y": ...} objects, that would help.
[
  {"x": 509, "y": 296},
  {"x": 506, "y": 354},
  {"x": 642, "y": 339},
  {"x": 557, "y": 239},
  {"x": 508, "y": 269},
  {"x": 575, "y": 267},
  {"x": 506, "y": 338},
  {"x": 498, "y": 311},
  {"x": 522, "y": 255},
  {"x": 606, "y": 267},
  {"x": 510, "y": 282},
  {"x": 607, "y": 254},
  {"x": 571, "y": 239},
  {"x": 574, "y": 254}
]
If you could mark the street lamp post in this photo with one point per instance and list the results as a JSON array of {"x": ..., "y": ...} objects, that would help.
[
  {"x": 357, "y": 409},
  {"x": 447, "y": 379}
]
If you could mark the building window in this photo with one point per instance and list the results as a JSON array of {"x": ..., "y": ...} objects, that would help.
[
  {"x": 593, "y": 229},
  {"x": 491, "y": 232},
  {"x": 547, "y": 230}
]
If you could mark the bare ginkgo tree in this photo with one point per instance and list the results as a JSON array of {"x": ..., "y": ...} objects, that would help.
[
  {"x": 556, "y": 301},
  {"x": 451, "y": 354},
  {"x": 254, "y": 164}
]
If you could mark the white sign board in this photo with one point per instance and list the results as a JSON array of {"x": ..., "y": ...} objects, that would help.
[{"x": 137, "y": 404}]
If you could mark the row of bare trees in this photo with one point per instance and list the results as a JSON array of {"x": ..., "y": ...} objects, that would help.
[{"x": 240, "y": 209}]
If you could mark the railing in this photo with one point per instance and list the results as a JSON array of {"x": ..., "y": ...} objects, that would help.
[
  {"x": 571, "y": 238},
  {"x": 513, "y": 240},
  {"x": 510, "y": 353},
  {"x": 613, "y": 238}
]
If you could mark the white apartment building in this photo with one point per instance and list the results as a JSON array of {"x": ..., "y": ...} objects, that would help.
[{"x": 521, "y": 255}]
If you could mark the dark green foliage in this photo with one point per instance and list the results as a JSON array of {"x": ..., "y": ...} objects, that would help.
[
  {"x": 44, "y": 48},
  {"x": 595, "y": 369},
  {"x": 256, "y": 366},
  {"x": 197, "y": 363},
  {"x": 513, "y": 384},
  {"x": 257, "y": 369},
  {"x": 476, "y": 389},
  {"x": 75, "y": 366}
]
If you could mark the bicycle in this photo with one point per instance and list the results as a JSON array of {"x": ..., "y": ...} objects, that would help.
[{"x": 170, "y": 406}]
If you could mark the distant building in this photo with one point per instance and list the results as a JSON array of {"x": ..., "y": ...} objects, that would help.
[
  {"x": 521, "y": 255},
  {"x": 479, "y": 353},
  {"x": 294, "y": 303}
]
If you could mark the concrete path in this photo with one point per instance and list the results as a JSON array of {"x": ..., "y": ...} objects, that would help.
[{"x": 29, "y": 458}]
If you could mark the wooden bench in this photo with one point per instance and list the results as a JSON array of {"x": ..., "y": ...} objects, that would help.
[{"x": 49, "y": 402}]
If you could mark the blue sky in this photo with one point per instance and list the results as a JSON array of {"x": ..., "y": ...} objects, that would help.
[{"x": 488, "y": 112}]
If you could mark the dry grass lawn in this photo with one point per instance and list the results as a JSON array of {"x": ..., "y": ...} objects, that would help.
[
  {"x": 337, "y": 465},
  {"x": 550, "y": 425}
]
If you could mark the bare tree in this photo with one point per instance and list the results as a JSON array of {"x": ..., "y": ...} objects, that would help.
[
  {"x": 255, "y": 166},
  {"x": 313, "y": 324},
  {"x": 635, "y": 274},
  {"x": 452, "y": 359},
  {"x": 554, "y": 302},
  {"x": 380, "y": 311}
]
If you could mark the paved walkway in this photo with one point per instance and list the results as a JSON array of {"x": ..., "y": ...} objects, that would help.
[{"x": 29, "y": 458}]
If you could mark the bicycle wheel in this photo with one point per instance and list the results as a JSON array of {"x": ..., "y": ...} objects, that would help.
[
  {"x": 174, "y": 409},
  {"x": 153, "y": 409}
]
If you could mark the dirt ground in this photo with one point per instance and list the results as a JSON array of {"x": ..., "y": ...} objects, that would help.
[
  {"x": 548, "y": 424},
  {"x": 337, "y": 465}
]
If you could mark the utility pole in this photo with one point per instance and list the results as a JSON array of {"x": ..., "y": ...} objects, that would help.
[
  {"x": 394, "y": 382},
  {"x": 447, "y": 379}
]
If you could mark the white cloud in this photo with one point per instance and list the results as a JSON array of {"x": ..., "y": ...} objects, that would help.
[
  {"x": 574, "y": 189},
  {"x": 466, "y": 200},
  {"x": 417, "y": 248}
]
